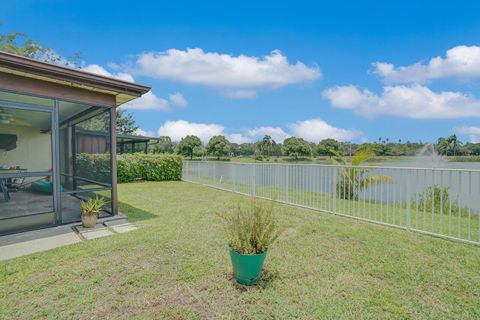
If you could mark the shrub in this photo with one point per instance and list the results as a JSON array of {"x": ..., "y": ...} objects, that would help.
[
  {"x": 438, "y": 197},
  {"x": 94, "y": 166},
  {"x": 251, "y": 229},
  {"x": 131, "y": 167}
]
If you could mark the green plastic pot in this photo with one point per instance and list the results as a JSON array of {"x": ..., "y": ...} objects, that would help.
[{"x": 247, "y": 267}]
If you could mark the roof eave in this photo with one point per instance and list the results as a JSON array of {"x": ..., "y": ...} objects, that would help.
[{"x": 124, "y": 90}]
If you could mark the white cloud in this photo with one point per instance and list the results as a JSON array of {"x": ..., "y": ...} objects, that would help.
[
  {"x": 178, "y": 99},
  {"x": 149, "y": 101},
  {"x": 181, "y": 128},
  {"x": 472, "y": 132},
  {"x": 459, "y": 62},
  {"x": 276, "y": 133},
  {"x": 238, "y": 138},
  {"x": 145, "y": 133},
  {"x": 315, "y": 130},
  {"x": 237, "y": 76},
  {"x": 312, "y": 130},
  {"x": 415, "y": 101},
  {"x": 95, "y": 68}
]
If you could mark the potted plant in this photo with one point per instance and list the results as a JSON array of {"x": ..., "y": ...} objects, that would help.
[
  {"x": 90, "y": 210},
  {"x": 251, "y": 230}
]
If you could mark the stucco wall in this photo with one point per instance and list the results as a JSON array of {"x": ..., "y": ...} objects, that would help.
[{"x": 33, "y": 150}]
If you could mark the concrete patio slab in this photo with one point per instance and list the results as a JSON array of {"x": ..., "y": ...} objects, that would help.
[
  {"x": 122, "y": 228},
  {"x": 23, "y": 243},
  {"x": 111, "y": 223},
  {"x": 37, "y": 245},
  {"x": 99, "y": 231}
]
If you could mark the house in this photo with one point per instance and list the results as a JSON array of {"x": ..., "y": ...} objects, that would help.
[{"x": 44, "y": 108}]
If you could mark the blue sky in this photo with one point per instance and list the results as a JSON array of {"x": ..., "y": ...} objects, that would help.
[{"x": 247, "y": 68}]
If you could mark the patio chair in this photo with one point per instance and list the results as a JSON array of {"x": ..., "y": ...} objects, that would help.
[
  {"x": 4, "y": 190},
  {"x": 15, "y": 184}
]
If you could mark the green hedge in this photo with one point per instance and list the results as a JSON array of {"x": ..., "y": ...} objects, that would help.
[{"x": 131, "y": 167}]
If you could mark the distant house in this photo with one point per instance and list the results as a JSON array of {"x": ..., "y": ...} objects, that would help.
[{"x": 44, "y": 111}]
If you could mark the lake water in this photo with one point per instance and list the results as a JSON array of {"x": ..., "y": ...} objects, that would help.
[
  {"x": 430, "y": 164},
  {"x": 463, "y": 185}
]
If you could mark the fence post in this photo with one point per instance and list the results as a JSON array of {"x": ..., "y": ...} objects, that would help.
[
  {"x": 334, "y": 192},
  {"x": 185, "y": 172},
  {"x": 254, "y": 178},
  {"x": 234, "y": 177},
  {"x": 213, "y": 169},
  {"x": 408, "y": 200},
  {"x": 198, "y": 171},
  {"x": 287, "y": 181}
]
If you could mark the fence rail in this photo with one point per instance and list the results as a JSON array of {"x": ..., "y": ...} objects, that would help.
[{"x": 439, "y": 202}]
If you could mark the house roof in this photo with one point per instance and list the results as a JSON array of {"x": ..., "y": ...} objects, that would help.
[
  {"x": 26, "y": 67},
  {"x": 121, "y": 137}
]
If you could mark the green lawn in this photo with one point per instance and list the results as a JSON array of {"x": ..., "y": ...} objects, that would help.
[{"x": 176, "y": 266}]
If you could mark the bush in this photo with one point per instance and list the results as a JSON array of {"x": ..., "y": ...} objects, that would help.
[
  {"x": 438, "y": 197},
  {"x": 253, "y": 229},
  {"x": 130, "y": 167},
  {"x": 94, "y": 166}
]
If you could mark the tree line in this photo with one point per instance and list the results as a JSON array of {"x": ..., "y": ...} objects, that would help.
[{"x": 220, "y": 147}]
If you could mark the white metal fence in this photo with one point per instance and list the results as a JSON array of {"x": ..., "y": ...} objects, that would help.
[{"x": 440, "y": 202}]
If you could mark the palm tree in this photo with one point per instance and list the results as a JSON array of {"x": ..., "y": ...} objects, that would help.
[
  {"x": 266, "y": 145},
  {"x": 442, "y": 146},
  {"x": 453, "y": 143},
  {"x": 352, "y": 180}
]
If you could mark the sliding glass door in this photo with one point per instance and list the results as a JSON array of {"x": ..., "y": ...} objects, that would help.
[{"x": 27, "y": 195}]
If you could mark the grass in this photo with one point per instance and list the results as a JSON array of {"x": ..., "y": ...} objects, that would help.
[
  {"x": 176, "y": 266},
  {"x": 450, "y": 221}
]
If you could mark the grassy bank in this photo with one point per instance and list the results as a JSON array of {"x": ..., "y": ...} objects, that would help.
[
  {"x": 318, "y": 160},
  {"x": 176, "y": 266}
]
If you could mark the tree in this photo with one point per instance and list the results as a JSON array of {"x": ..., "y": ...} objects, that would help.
[
  {"x": 187, "y": 146},
  {"x": 164, "y": 145},
  {"x": 125, "y": 122},
  {"x": 218, "y": 146},
  {"x": 247, "y": 149},
  {"x": 352, "y": 181},
  {"x": 330, "y": 147},
  {"x": 20, "y": 44},
  {"x": 199, "y": 151},
  {"x": 296, "y": 147},
  {"x": 442, "y": 146},
  {"x": 453, "y": 143},
  {"x": 235, "y": 149},
  {"x": 473, "y": 148},
  {"x": 266, "y": 146}
]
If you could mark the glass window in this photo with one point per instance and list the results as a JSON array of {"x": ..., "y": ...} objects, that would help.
[{"x": 26, "y": 187}]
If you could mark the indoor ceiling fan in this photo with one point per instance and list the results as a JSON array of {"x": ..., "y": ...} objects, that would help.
[{"x": 7, "y": 118}]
